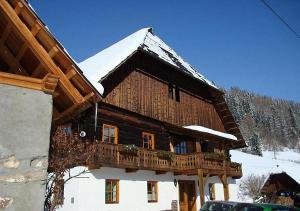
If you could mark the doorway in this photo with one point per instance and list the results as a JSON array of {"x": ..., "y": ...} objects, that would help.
[{"x": 187, "y": 195}]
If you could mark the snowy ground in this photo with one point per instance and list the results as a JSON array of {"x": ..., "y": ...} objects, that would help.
[{"x": 287, "y": 161}]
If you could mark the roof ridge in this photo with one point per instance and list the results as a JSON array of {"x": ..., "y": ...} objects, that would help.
[{"x": 149, "y": 30}]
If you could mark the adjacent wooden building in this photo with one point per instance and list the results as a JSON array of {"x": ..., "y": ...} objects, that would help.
[
  {"x": 40, "y": 86},
  {"x": 281, "y": 188}
]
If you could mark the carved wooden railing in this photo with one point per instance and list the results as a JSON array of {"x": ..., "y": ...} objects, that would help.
[{"x": 117, "y": 156}]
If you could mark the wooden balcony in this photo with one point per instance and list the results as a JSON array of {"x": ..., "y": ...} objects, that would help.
[{"x": 143, "y": 159}]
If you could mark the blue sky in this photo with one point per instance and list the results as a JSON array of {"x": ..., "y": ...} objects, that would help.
[{"x": 233, "y": 42}]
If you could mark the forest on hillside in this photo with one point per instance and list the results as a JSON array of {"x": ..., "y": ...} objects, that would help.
[{"x": 265, "y": 123}]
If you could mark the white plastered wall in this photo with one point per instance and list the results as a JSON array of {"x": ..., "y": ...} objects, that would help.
[{"x": 88, "y": 192}]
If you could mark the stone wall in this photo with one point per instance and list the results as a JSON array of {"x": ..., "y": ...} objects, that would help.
[{"x": 25, "y": 123}]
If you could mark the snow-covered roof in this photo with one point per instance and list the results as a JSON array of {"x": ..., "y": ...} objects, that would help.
[
  {"x": 211, "y": 131},
  {"x": 103, "y": 63}
]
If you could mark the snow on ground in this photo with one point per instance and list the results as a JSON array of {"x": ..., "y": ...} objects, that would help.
[{"x": 287, "y": 161}]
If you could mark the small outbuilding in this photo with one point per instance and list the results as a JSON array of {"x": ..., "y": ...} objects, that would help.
[{"x": 281, "y": 188}]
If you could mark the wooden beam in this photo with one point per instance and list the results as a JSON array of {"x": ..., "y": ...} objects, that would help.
[
  {"x": 49, "y": 83},
  {"x": 130, "y": 170},
  {"x": 221, "y": 103},
  {"x": 29, "y": 82},
  {"x": 11, "y": 60},
  {"x": 5, "y": 34},
  {"x": 125, "y": 117},
  {"x": 71, "y": 73},
  {"x": 53, "y": 51},
  {"x": 79, "y": 106},
  {"x": 39, "y": 68},
  {"x": 93, "y": 166},
  {"x": 19, "y": 8},
  {"x": 21, "y": 52},
  {"x": 34, "y": 30},
  {"x": 230, "y": 123},
  {"x": 40, "y": 52},
  {"x": 158, "y": 172},
  {"x": 177, "y": 173}
]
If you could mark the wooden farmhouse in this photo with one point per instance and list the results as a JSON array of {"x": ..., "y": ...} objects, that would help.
[
  {"x": 152, "y": 132},
  {"x": 160, "y": 135}
]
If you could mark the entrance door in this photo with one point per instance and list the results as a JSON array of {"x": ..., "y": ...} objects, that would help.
[{"x": 187, "y": 196}]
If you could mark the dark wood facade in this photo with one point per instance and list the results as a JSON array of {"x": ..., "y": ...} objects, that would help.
[
  {"x": 141, "y": 84},
  {"x": 149, "y": 96}
]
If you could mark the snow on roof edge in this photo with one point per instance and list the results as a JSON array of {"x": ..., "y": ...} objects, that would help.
[{"x": 211, "y": 131}]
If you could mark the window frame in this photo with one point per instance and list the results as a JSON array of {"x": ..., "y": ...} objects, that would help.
[
  {"x": 153, "y": 140},
  {"x": 117, "y": 191},
  {"x": 155, "y": 183},
  {"x": 116, "y": 132},
  {"x": 170, "y": 91}
]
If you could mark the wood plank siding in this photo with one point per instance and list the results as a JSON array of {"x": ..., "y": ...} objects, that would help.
[{"x": 146, "y": 95}]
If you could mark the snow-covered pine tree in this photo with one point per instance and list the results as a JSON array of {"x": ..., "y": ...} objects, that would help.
[{"x": 255, "y": 144}]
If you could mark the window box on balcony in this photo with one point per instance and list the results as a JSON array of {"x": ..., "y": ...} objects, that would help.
[
  {"x": 235, "y": 165},
  {"x": 130, "y": 150},
  {"x": 214, "y": 156},
  {"x": 165, "y": 155}
]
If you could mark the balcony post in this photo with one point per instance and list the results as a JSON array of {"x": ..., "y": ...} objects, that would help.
[
  {"x": 201, "y": 186},
  {"x": 198, "y": 146},
  {"x": 171, "y": 146},
  {"x": 223, "y": 179}
]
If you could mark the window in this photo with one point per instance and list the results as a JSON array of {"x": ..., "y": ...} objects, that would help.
[
  {"x": 174, "y": 92},
  {"x": 110, "y": 134},
  {"x": 152, "y": 191},
  {"x": 148, "y": 140},
  {"x": 211, "y": 189},
  {"x": 181, "y": 148},
  {"x": 111, "y": 191}
]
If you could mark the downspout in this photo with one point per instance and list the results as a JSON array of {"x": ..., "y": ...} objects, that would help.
[{"x": 96, "y": 117}]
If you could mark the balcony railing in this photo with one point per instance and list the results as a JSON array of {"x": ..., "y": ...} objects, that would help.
[{"x": 118, "y": 156}]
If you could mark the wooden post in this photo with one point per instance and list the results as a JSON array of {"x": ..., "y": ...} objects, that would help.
[
  {"x": 198, "y": 146},
  {"x": 201, "y": 186},
  {"x": 171, "y": 145},
  {"x": 226, "y": 191},
  {"x": 223, "y": 179}
]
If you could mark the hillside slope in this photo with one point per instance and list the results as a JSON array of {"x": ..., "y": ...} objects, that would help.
[
  {"x": 265, "y": 123},
  {"x": 287, "y": 161}
]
